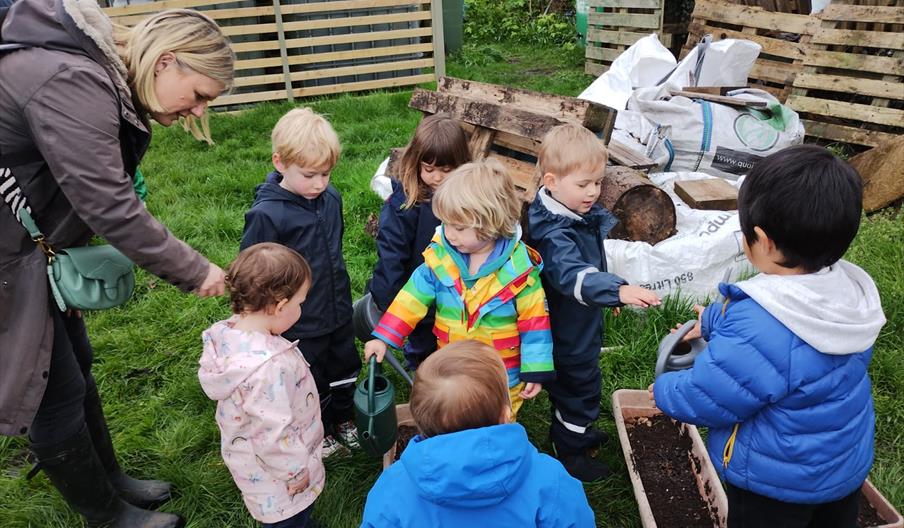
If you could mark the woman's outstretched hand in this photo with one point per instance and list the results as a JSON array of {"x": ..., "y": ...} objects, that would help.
[{"x": 214, "y": 284}]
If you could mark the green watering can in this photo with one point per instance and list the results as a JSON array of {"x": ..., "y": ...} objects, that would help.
[{"x": 375, "y": 412}]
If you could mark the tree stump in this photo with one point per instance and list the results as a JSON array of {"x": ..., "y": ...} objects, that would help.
[
  {"x": 645, "y": 212},
  {"x": 880, "y": 169}
]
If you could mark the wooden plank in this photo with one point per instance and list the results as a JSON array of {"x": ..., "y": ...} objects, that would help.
[
  {"x": 596, "y": 117},
  {"x": 364, "y": 85},
  {"x": 846, "y": 84},
  {"x": 846, "y": 134},
  {"x": 633, "y": 20},
  {"x": 327, "y": 23},
  {"x": 504, "y": 118},
  {"x": 523, "y": 174},
  {"x": 347, "y": 38},
  {"x": 863, "y": 13},
  {"x": 595, "y": 68},
  {"x": 439, "y": 38},
  {"x": 719, "y": 11},
  {"x": 773, "y": 71},
  {"x": 604, "y": 54},
  {"x": 363, "y": 53},
  {"x": 854, "y": 61},
  {"x": 254, "y": 80},
  {"x": 854, "y": 111},
  {"x": 711, "y": 194},
  {"x": 239, "y": 12},
  {"x": 771, "y": 46},
  {"x": 721, "y": 99},
  {"x": 216, "y": 14},
  {"x": 626, "y": 38},
  {"x": 621, "y": 154},
  {"x": 637, "y": 4},
  {"x": 254, "y": 97},
  {"x": 853, "y": 37},
  {"x": 480, "y": 142}
]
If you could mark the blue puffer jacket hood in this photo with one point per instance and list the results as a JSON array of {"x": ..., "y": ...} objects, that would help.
[
  {"x": 493, "y": 476},
  {"x": 790, "y": 412}
]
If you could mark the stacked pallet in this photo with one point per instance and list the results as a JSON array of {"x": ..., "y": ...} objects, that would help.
[
  {"x": 783, "y": 37},
  {"x": 851, "y": 87},
  {"x": 614, "y": 25}
]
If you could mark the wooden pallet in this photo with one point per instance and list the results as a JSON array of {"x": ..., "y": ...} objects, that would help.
[
  {"x": 800, "y": 7},
  {"x": 783, "y": 37},
  {"x": 851, "y": 87},
  {"x": 614, "y": 25}
]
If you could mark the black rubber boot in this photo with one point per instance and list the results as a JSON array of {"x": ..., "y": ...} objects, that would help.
[
  {"x": 582, "y": 466},
  {"x": 146, "y": 494},
  {"x": 77, "y": 473}
]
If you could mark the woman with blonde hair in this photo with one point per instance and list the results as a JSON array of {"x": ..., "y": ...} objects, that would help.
[{"x": 76, "y": 95}]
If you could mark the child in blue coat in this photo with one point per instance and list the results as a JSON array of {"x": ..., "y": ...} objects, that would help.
[
  {"x": 407, "y": 223},
  {"x": 470, "y": 466},
  {"x": 783, "y": 385}
]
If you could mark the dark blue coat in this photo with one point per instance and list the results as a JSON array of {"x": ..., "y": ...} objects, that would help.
[
  {"x": 313, "y": 228},
  {"x": 805, "y": 421},
  {"x": 403, "y": 236},
  {"x": 574, "y": 277}
]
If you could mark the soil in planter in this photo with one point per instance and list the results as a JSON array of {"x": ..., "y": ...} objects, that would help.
[
  {"x": 406, "y": 433},
  {"x": 868, "y": 517},
  {"x": 662, "y": 456}
]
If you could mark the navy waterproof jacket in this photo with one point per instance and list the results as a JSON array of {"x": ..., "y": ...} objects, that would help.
[
  {"x": 313, "y": 228},
  {"x": 574, "y": 277},
  {"x": 491, "y": 476},
  {"x": 785, "y": 420},
  {"x": 403, "y": 236}
]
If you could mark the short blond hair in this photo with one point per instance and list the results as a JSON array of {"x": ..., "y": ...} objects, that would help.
[
  {"x": 461, "y": 386},
  {"x": 481, "y": 195},
  {"x": 304, "y": 138},
  {"x": 571, "y": 148}
]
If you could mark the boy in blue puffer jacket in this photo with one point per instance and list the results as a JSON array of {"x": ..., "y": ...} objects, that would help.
[
  {"x": 783, "y": 384},
  {"x": 470, "y": 466}
]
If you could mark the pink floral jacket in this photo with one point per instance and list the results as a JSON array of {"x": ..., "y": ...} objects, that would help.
[{"x": 268, "y": 411}]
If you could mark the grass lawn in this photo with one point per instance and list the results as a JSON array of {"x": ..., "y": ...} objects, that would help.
[{"x": 146, "y": 353}]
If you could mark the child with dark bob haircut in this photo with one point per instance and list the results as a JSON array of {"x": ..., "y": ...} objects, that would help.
[
  {"x": 268, "y": 409},
  {"x": 783, "y": 384},
  {"x": 470, "y": 466}
]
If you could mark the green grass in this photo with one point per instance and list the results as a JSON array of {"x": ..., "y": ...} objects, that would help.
[{"x": 147, "y": 352}]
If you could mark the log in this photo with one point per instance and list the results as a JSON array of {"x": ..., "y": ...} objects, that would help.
[
  {"x": 880, "y": 169},
  {"x": 645, "y": 212},
  {"x": 713, "y": 194}
]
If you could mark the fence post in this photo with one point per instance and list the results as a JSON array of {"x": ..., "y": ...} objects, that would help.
[
  {"x": 283, "y": 52},
  {"x": 439, "y": 44}
]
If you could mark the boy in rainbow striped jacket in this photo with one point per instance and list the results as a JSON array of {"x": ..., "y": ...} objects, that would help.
[{"x": 484, "y": 281}]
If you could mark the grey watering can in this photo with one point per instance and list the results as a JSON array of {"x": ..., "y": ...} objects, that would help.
[
  {"x": 375, "y": 412},
  {"x": 677, "y": 354}
]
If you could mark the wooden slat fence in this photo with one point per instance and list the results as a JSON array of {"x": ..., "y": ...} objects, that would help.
[
  {"x": 614, "y": 25},
  {"x": 288, "y": 50}
]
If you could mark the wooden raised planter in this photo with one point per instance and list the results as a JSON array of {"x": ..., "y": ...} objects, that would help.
[{"x": 633, "y": 406}]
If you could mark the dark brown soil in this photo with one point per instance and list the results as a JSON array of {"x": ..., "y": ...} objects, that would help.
[
  {"x": 406, "y": 433},
  {"x": 868, "y": 517},
  {"x": 662, "y": 457}
]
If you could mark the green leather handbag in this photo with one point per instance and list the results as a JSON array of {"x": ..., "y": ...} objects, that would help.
[{"x": 84, "y": 278}]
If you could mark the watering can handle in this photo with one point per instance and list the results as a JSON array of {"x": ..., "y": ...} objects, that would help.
[
  {"x": 677, "y": 337},
  {"x": 395, "y": 364},
  {"x": 371, "y": 394}
]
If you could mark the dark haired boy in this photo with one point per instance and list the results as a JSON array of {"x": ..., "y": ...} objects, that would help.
[{"x": 783, "y": 384}]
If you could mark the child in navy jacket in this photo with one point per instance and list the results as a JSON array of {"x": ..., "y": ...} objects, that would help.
[
  {"x": 568, "y": 228},
  {"x": 297, "y": 207},
  {"x": 783, "y": 384},
  {"x": 407, "y": 223}
]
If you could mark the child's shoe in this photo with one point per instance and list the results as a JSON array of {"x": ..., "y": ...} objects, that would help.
[
  {"x": 583, "y": 467},
  {"x": 332, "y": 446},
  {"x": 348, "y": 434}
]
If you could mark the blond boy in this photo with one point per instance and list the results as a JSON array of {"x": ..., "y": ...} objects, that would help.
[
  {"x": 470, "y": 466},
  {"x": 568, "y": 227},
  {"x": 296, "y": 206}
]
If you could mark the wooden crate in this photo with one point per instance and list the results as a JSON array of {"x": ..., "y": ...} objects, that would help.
[
  {"x": 851, "y": 87},
  {"x": 277, "y": 45},
  {"x": 614, "y": 25},
  {"x": 783, "y": 37}
]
